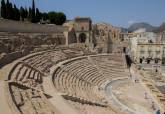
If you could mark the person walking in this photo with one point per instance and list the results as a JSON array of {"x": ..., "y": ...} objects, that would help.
[
  {"x": 153, "y": 106},
  {"x": 145, "y": 95},
  {"x": 158, "y": 112}
]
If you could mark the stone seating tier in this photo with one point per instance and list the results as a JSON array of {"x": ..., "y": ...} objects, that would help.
[
  {"x": 78, "y": 81},
  {"x": 29, "y": 101}
]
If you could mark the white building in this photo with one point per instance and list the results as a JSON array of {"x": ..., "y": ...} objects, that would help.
[{"x": 147, "y": 47}]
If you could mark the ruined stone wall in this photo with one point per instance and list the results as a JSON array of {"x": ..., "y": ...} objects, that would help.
[
  {"x": 107, "y": 38},
  {"x": 25, "y": 27},
  {"x": 15, "y": 45},
  {"x": 19, "y": 38},
  {"x": 11, "y": 42},
  {"x": 8, "y": 58}
]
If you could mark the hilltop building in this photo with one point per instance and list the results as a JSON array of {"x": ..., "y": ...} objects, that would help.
[
  {"x": 105, "y": 36},
  {"x": 99, "y": 37},
  {"x": 79, "y": 30}
]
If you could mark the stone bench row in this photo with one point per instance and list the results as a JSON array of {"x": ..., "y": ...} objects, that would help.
[
  {"x": 73, "y": 79},
  {"x": 104, "y": 60},
  {"x": 24, "y": 73},
  {"x": 85, "y": 70},
  {"x": 79, "y": 79},
  {"x": 71, "y": 85},
  {"x": 29, "y": 101},
  {"x": 109, "y": 58},
  {"x": 112, "y": 69},
  {"x": 45, "y": 61}
]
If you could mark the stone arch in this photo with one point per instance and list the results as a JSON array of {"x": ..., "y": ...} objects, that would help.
[{"x": 82, "y": 38}]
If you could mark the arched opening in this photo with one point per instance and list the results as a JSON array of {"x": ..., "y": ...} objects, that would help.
[
  {"x": 141, "y": 60},
  {"x": 82, "y": 38},
  {"x": 148, "y": 60}
]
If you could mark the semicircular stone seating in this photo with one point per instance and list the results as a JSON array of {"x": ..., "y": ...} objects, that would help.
[{"x": 78, "y": 81}]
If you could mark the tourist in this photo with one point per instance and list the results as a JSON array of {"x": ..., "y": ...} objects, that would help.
[
  {"x": 145, "y": 95},
  {"x": 158, "y": 112},
  {"x": 153, "y": 106},
  {"x": 156, "y": 70}
]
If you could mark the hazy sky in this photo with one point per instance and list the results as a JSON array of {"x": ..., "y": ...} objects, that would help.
[{"x": 116, "y": 12}]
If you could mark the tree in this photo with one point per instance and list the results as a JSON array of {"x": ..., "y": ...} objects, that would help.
[
  {"x": 8, "y": 9},
  {"x": 22, "y": 13},
  {"x": 33, "y": 14},
  {"x": 38, "y": 15},
  {"x": 3, "y": 9},
  {"x": 52, "y": 17},
  {"x": 61, "y": 18},
  {"x": 57, "y": 18},
  {"x": 45, "y": 16},
  {"x": 9, "y": 12},
  {"x": 16, "y": 13},
  {"x": 26, "y": 12},
  {"x": 29, "y": 14}
]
